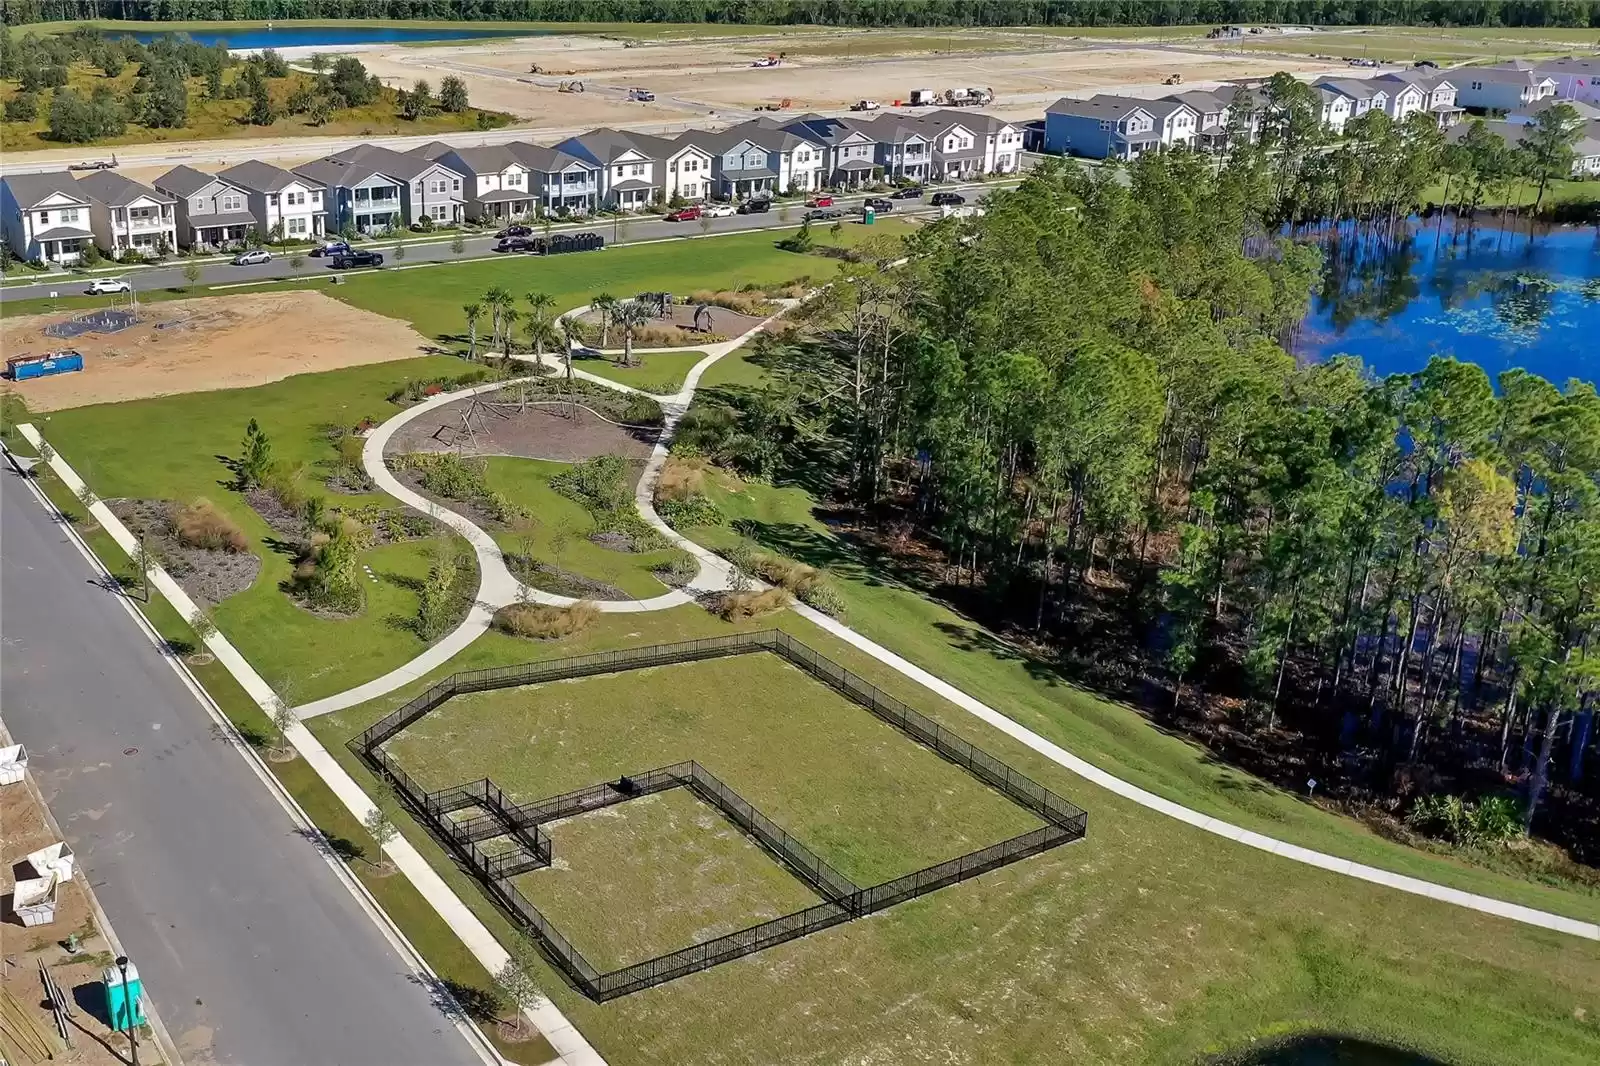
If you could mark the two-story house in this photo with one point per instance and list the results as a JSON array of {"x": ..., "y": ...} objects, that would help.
[
  {"x": 1360, "y": 95},
  {"x": 376, "y": 189},
  {"x": 1176, "y": 121},
  {"x": 497, "y": 185},
  {"x": 125, "y": 214},
  {"x": 287, "y": 206},
  {"x": 562, "y": 184},
  {"x": 969, "y": 143},
  {"x": 211, "y": 212},
  {"x": 1211, "y": 110},
  {"x": 847, "y": 156},
  {"x": 630, "y": 169},
  {"x": 1576, "y": 77},
  {"x": 684, "y": 166},
  {"x": 1500, "y": 88},
  {"x": 1101, "y": 127},
  {"x": 904, "y": 151},
  {"x": 1420, "y": 90},
  {"x": 431, "y": 190},
  {"x": 46, "y": 217}
]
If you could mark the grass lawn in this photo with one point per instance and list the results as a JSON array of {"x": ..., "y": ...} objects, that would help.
[
  {"x": 182, "y": 442},
  {"x": 740, "y": 369},
  {"x": 1523, "y": 195},
  {"x": 654, "y": 875},
  {"x": 1147, "y": 942},
  {"x": 1405, "y": 44},
  {"x": 559, "y": 530},
  {"x": 661, "y": 373},
  {"x": 214, "y": 119}
]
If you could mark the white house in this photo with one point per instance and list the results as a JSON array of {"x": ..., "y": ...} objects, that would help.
[
  {"x": 967, "y": 143},
  {"x": 497, "y": 184},
  {"x": 845, "y": 155},
  {"x": 284, "y": 203},
  {"x": 685, "y": 168},
  {"x": 1211, "y": 116},
  {"x": 1360, "y": 95},
  {"x": 630, "y": 172},
  {"x": 1501, "y": 88},
  {"x": 46, "y": 216},
  {"x": 1576, "y": 77},
  {"x": 125, "y": 214},
  {"x": 563, "y": 183}
]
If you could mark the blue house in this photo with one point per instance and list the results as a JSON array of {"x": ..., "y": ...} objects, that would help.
[{"x": 1102, "y": 127}]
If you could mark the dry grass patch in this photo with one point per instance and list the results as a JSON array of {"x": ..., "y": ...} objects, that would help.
[
  {"x": 737, "y": 606},
  {"x": 536, "y": 621},
  {"x": 681, "y": 478},
  {"x": 751, "y": 302},
  {"x": 201, "y": 525}
]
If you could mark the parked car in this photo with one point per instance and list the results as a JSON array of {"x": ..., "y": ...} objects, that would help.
[
  {"x": 820, "y": 201},
  {"x": 878, "y": 203},
  {"x": 252, "y": 257},
  {"x": 717, "y": 210},
  {"x": 910, "y": 192},
  {"x": 684, "y": 214},
  {"x": 332, "y": 248},
  {"x": 948, "y": 199},
  {"x": 514, "y": 244},
  {"x": 357, "y": 259},
  {"x": 102, "y": 286},
  {"x": 755, "y": 207},
  {"x": 515, "y": 231},
  {"x": 818, "y": 213},
  {"x": 641, "y": 95}
]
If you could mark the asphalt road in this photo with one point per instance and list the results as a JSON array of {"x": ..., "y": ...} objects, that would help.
[
  {"x": 631, "y": 231},
  {"x": 251, "y": 948}
]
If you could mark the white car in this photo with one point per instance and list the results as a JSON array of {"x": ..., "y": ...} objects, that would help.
[
  {"x": 259, "y": 255},
  {"x": 718, "y": 211},
  {"x": 102, "y": 286}
]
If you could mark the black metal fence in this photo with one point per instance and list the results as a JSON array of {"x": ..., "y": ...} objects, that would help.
[{"x": 525, "y": 846}]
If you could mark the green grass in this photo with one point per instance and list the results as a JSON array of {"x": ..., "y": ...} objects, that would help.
[
  {"x": 182, "y": 444},
  {"x": 1524, "y": 194},
  {"x": 1147, "y": 942},
  {"x": 559, "y": 530},
  {"x": 658, "y": 372},
  {"x": 654, "y": 875},
  {"x": 1404, "y": 44},
  {"x": 1113, "y": 737},
  {"x": 639, "y": 30}
]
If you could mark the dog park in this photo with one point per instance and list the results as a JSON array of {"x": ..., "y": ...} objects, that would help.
[{"x": 636, "y": 812}]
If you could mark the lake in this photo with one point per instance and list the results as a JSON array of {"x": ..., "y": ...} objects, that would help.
[
  {"x": 1327, "y": 1050},
  {"x": 1486, "y": 295},
  {"x": 333, "y": 36}
]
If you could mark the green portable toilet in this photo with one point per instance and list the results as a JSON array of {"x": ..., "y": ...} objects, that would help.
[
  {"x": 868, "y": 215},
  {"x": 119, "y": 997}
]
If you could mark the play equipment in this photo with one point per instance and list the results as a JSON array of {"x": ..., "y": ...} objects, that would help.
[
  {"x": 13, "y": 764},
  {"x": 23, "y": 367}
]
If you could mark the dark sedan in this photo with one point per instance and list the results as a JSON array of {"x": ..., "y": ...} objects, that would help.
[
  {"x": 912, "y": 192},
  {"x": 879, "y": 204},
  {"x": 357, "y": 259}
]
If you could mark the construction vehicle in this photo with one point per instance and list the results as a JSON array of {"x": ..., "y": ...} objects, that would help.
[
  {"x": 968, "y": 97},
  {"x": 923, "y": 98},
  {"x": 768, "y": 61},
  {"x": 570, "y": 87},
  {"x": 95, "y": 164},
  {"x": 1172, "y": 79},
  {"x": 642, "y": 95},
  {"x": 864, "y": 105}
]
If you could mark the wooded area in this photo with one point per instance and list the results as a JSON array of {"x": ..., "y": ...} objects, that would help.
[
  {"x": 1075, "y": 417},
  {"x": 865, "y": 13}
]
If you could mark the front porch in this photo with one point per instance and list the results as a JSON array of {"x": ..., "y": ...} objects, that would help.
[
  {"x": 505, "y": 205},
  {"x": 58, "y": 247},
  {"x": 744, "y": 184},
  {"x": 633, "y": 195},
  {"x": 852, "y": 174},
  {"x": 221, "y": 236},
  {"x": 961, "y": 168}
]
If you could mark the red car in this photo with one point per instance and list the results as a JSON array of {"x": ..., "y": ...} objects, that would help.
[
  {"x": 820, "y": 201},
  {"x": 684, "y": 214}
]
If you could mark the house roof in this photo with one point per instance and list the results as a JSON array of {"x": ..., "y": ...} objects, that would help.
[
  {"x": 1502, "y": 75},
  {"x": 58, "y": 233},
  {"x": 1203, "y": 102},
  {"x": 1577, "y": 65},
  {"x": 387, "y": 161},
  {"x": 260, "y": 177},
  {"x": 432, "y": 150},
  {"x": 633, "y": 183},
  {"x": 1587, "y": 112},
  {"x": 752, "y": 172},
  {"x": 545, "y": 160},
  {"x": 1114, "y": 108},
  {"x": 499, "y": 196},
  {"x": 822, "y": 130},
  {"x": 184, "y": 181},
  {"x": 1166, "y": 106},
  {"x": 30, "y": 189},
  {"x": 222, "y": 218},
  {"x": 856, "y": 164},
  {"x": 1422, "y": 79},
  {"x": 894, "y": 129},
  {"x": 608, "y": 145},
  {"x": 1353, "y": 88},
  {"x": 114, "y": 190},
  {"x": 332, "y": 172},
  {"x": 487, "y": 159}
]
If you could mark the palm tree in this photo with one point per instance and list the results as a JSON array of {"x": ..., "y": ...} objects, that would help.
[
  {"x": 499, "y": 300},
  {"x": 629, "y": 316},
  {"x": 473, "y": 311},
  {"x": 540, "y": 303},
  {"x": 508, "y": 318},
  {"x": 540, "y": 331},
  {"x": 569, "y": 335},
  {"x": 607, "y": 305}
]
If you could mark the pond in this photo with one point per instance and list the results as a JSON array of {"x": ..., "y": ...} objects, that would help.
[
  {"x": 331, "y": 36},
  {"x": 1487, "y": 295},
  {"x": 1327, "y": 1050}
]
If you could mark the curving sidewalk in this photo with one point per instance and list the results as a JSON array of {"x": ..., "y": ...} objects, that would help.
[{"x": 714, "y": 575}]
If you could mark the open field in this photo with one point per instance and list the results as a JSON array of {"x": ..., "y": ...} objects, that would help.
[
  {"x": 1146, "y": 942},
  {"x": 178, "y": 448},
  {"x": 218, "y": 342}
]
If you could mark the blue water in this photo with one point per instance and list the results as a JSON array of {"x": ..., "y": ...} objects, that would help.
[
  {"x": 1494, "y": 297},
  {"x": 1326, "y": 1050},
  {"x": 329, "y": 36}
]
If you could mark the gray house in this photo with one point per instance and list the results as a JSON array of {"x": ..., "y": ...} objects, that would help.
[
  {"x": 211, "y": 212},
  {"x": 284, "y": 203},
  {"x": 375, "y": 189},
  {"x": 46, "y": 216},
  {"x": 563, "y": 184},
  {"x": 497, "y": 184},
  {"x": 631, "y": 166},
  {"x": 904, "y": 149},
  {"x": 849, "y": 154},
  {"x": 127, "y": 215}
]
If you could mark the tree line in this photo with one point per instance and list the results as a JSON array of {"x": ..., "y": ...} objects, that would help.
[
  {"x": 856, "y": 13},
  {"x": 1081, "y": 405}
]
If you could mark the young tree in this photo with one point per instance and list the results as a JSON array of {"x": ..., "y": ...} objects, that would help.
[
  {"x": 458, "y": 244},
  {"x": 261, "y": 109},
  {"x": 453, "y": 95},
  {"x": 398, "y": 252},
  {"x": 473, "y": 312},
  {"x": 382, "y": 831},
  {"x": 256, "y": 455},
  {"x": 1547, "y": 147},
  {"x": 518, "y": 978},
  {"x": 283, "y": 718},
  {"x": 350, "y": 81},
  {"x": 191, "y": 272},
  {"x": 167, "y": 104},
  {"x": 419, "y": 102}
]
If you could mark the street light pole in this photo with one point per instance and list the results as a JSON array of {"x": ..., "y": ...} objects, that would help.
[{"x": 127, "y": 1006}]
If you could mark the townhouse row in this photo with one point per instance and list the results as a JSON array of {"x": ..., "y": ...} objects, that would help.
[{"x": 373, "y": 189}]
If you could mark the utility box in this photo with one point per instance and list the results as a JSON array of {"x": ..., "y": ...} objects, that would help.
[{"x": 124, "y": 1003}]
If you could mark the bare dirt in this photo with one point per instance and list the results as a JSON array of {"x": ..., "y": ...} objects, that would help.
[
  {"x": 209, "y": 575},
  {"x": 216, "y": 342},
  {"x": 536, "y": 433}
]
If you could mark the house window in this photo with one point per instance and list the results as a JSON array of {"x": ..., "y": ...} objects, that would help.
[
  {"x": 455, "y": 184},
  {"x": 316, "y": 196},
  {"x": 233, "y": 203},
  {"x": 513, "y": 181},
  {"x": 418, "y": 188},
  {"x": 295, "y": 225},
  {"x": 440, "y": 213},
  {"x": 69, "y": 214},
  {"x": 44, "y": 218},
  {"x": 199, "y": 203},
  {"x": 638, "y": 170}
]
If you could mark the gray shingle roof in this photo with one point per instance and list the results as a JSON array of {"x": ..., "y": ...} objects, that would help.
[
  {"x": 386, "y": 161},
  {"x": 545, "y": 160},
  {"x": 29, "y": 189},
  {"x": 183, "y": 181},
  {"x": 62, "y": 233},
  {"x": 487, "y": 159},
  {"x": 1355, "y": 88},
  {"x": 331, "y": 172},
  {"x": 260, "y": 177},
  {"x": 1499, "y": 75},
  {"x": 114, "y": 190},
  {"x": 1098, "y": 107},
  {"x": 607, "y": 145},
  {"x": 222, "y": 218}
]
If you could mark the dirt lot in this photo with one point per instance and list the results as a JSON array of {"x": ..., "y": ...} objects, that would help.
[
  {"x": 218, "y": 342},
  {"x": 536, "y": 433}
]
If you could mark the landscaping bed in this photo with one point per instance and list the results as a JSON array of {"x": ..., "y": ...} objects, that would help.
[
  {"x": 548, "y": 577},
  {"x": 559, "y": 433},
  {"x": 209, "y": 575}
]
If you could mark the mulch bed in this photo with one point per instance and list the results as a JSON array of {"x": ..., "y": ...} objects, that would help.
[
  {"x": 616, "y": 540},
  {"x": 283, "y": 521},
  {"x": 534, "y": 433},
  {"x": 547, "y": 578},
  {"x": 206, "y": 574}
]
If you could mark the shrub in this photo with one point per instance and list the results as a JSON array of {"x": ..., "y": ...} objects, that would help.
[
  {"x": 689, "y": 512},
  {"x": 823, "y": 597},
  {"x": 446, "y": 474},
  {"x": 678, "y": 569},
  {"x": 283, "y": 482},
  {"x": 201, "y": 525},
  {"x": 785, "y": 573},
  {"x": 681, "y": 477},
  {"x": 598, "y": 485},
  {"x": 641, "y": 411},
  {"x": 536, "y": 621},
  {"x": 1492, "y": 820},
  {"x": 501, "y": 507},
  {"x": 736, "y": 606},
  {"x": 751, "y": 302}
]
